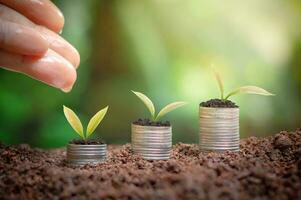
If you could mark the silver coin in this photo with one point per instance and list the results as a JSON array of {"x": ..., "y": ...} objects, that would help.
[
  {"x": 219, "y": 148},
  {"x": 152, "y": 150}
]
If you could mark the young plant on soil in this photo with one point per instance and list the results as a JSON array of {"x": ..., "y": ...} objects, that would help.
[
  {"x": 150, "y": 106},
  {"x": 76, "y": 124},
  {"x": 240, "y": 90}
]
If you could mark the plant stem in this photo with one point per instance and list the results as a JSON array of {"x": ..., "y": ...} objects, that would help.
[
  {"x": 222, "y": 94},
  {"x": 226, "y": 98},
  {"x": 154, "y": 119}
]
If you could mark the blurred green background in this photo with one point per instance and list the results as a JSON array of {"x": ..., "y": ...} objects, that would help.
[{"x": 164, "y": 48}]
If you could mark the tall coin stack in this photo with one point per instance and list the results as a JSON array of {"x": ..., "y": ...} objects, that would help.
[
  {"x": 152, "y": 142},
  {"x": 219, "y": 129}
]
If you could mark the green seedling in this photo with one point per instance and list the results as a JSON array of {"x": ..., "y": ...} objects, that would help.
[
  {"x": 240, "y": 90},
  {"x": 76, "y": 124},
  {"x": 150, "y": 106}
]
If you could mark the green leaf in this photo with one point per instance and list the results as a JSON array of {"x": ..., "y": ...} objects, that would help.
[
  {"x": 169, "y": 108},
  {"x": 74, "y": 121},
  {"x": 249, "y": 90},
  {"x": 148, "y": 103},
  {"x": 220, "y": 83},
  {"x": 95, "y": 120}
]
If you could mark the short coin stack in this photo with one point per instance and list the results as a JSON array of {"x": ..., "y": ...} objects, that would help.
[
  {"x": 86, "y": 154},
  {"x": 219, "y": 129},
  {"x": 152, "y": 142}
]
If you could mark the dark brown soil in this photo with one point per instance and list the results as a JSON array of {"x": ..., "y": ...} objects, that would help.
[
  {"x": 265, "y": 168},
  {"x": 87, "y": 142},
  {"x": 218, "y": 103},
  {"x": 148, "y": 122}
]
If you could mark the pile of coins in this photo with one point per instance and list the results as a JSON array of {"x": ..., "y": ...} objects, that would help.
[
  {"x": 86, "y": 154},
  {"x": 152, "y": 142},
  {"x": 219, "y": 129}
]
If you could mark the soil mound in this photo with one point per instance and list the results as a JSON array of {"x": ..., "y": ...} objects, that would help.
[
  {"x": 265, "y": 168},
  {"x": 218, "y": 103},
  {"x": 148, "y": 122}
]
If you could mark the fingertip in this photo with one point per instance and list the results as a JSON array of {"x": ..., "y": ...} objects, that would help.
[
  {"x": 61, "y": 46},
  {"x": 66, "y": 77},
  {"x": 67, "y": 87},
  {"x": 76, "y": 59},
  {"x": 68, "y": 51},
  {"x": 53, "y": 70},
  {"x": 66, "y": 90},
  {"x": 59, "y": 22}
]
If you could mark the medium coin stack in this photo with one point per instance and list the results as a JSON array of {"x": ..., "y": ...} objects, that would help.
[
  {"x": 86, "y": 154},
  {"x": 152, "y": 142},
  {"x": 219, "y": 129}
]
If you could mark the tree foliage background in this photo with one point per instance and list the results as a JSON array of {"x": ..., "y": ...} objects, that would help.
[{"x": 164, "y": 49}]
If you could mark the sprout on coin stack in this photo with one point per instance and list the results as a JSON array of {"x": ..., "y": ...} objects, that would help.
[
  {"x": 219, "y": 119},
  {"x": 85, "y": 151},
  {"x": 152, "y": 138}
]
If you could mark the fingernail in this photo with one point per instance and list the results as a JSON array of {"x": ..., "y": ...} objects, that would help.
[
  {"x": 61, "y": 31},
  {"x": 57, "y": 71},
  {"x": 66, "y": 90}
]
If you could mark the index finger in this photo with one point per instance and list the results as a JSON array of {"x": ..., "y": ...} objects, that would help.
[{"x": 42, "y": 12}]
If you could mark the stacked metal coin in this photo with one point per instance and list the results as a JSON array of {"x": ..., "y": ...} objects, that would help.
[
  {"x": 152, "y": 142},
  {"x": 219, "y": 129},
  {"x": 86, "y": 154}
]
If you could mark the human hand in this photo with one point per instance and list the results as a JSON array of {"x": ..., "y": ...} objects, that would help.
[{"x": 30, "y": 43}]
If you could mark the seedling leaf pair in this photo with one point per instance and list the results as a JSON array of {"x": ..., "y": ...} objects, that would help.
[
  {"x": 76, "y": 124},
  {"x": 240, "y": 90},
  {"x": 150, "y": 106}
]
